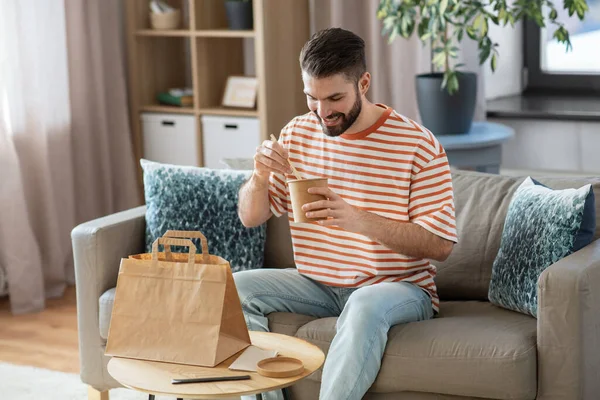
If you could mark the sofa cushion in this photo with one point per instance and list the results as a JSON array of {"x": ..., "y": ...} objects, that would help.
[
  {"x": 287, "y": 323},
  {"x": 205, "y": 200},
  {"x": 542, "y": 226},
  {"x": 481, "y": 202},
  {"x": 470, "y": 349},
  {"x": 105, "y": 307},
  {"x": 309, "y": 389}
]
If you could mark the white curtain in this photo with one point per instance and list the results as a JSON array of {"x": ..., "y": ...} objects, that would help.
[
  {"x": 393, "y": 66},
  {"x": 43, "y": 154}
]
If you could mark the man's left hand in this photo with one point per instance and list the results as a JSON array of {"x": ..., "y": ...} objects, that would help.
[{"x": 335, "y": 209}]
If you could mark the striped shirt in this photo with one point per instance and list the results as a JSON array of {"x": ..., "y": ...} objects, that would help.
[{"x": 396, "y": 169}]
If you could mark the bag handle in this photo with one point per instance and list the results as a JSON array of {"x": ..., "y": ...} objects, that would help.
[
  {"x": 166, "y": 241},
  {"x": 191, "y": 234}
]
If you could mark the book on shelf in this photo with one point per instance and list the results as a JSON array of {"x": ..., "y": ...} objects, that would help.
[{"x": 179, "y": 100}]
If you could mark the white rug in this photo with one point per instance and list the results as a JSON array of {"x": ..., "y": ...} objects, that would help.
[{"x": 29, "y": 383}]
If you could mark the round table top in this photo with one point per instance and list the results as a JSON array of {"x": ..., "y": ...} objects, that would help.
[
  {"x": 155, "y": 377},
  {"x": 482, "y": 134}
]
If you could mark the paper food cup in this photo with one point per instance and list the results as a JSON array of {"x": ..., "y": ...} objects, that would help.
[{"x": 300, "y": 196}]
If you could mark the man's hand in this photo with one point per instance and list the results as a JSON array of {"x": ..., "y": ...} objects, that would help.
[
  {"x": 335, "y": 208},
  {"x": 405, "y": 238},
  {"x": 270, "y": 157}
]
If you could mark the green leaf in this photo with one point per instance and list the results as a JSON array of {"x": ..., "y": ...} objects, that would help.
[
  {"x": 460, "y": 34},
  {"x": 511, "y": 19},
  {"x": 562, "y": 35},
  {"x": 393, "y": 35},
  {"x": 581, "y": 7},
  {"x": 404, "y": 25},
  {"x": 484, "y": 28},
  {"x": 471, "y": 14},
  {"x": 484, "y": 54},
  {"x": 494, "y": 62},
  {"x": 439, "y": 59},
  {"x": 478, "y": 21},
  {"x": 410, "y": 29},
  {"x": 389, "y": 23},
  {"x": 443, "y": 6},
  {"x": 539, "y": 20},
  {"x": 558, "y": 35},
  {"x": 432, "y": 22},
  {"x": 452, "y": 84},
  {"x": 472, "y": 32},
  {"x": 502, "y": 16},
  {"x": 433, "y": 25},
  {"x": 553, "y": 14},
  {"x": 422, "y": 28}
]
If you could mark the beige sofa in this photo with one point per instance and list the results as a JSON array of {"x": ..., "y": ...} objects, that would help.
[{"x": 471, "y": 350}]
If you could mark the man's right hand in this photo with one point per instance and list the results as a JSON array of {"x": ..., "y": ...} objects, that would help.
[{"x": 270, "y": 157}]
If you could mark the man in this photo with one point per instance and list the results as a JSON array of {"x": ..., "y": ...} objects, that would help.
[{"x": 389, "y": 210}]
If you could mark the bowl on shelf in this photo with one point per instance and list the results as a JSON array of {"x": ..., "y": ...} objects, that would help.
[{"x": 163, "y": 21}]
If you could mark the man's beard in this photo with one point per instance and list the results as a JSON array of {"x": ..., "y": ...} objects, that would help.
[{"x": 346, "y": 120}]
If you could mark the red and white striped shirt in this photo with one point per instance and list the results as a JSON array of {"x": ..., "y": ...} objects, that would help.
[{"x": 396, "y": 169}]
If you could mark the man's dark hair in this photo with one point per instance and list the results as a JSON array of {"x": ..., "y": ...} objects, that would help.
[{"x": 333, "y": 51}]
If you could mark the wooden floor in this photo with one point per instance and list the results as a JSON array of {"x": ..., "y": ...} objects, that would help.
[{"x": 47, "y": 339}]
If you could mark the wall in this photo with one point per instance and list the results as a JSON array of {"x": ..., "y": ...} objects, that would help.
[
  {"x": 507, "y": 80},
  {"x": 553, "y": 146}
]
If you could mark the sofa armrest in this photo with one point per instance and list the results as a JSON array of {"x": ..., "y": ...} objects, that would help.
[
  {"x": 98, "y": 247},
  {"x": 569, "y": 327}
]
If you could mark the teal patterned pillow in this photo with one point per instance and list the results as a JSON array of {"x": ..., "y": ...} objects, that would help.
[
  {"x": 205, "y": 200},
  {"x": 542, "y": 226}
]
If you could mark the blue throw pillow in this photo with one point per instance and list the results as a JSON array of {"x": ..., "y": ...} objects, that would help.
[
  {"x": 205, "y": 200},
  {"x": 542, "y": 226}
]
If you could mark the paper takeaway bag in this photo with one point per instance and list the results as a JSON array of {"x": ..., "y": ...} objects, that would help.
[{"x": 177, "y": 308}]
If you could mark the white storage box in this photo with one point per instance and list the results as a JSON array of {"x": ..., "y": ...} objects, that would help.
[
  {"x": 228, "y": 137},
  {"x": 170, "y": 138}
]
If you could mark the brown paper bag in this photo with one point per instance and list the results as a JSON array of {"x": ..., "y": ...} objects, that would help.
[{"x": 177, "y": 308}]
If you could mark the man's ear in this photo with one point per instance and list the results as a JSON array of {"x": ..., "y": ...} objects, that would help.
[{"x": 364, "y": 82}]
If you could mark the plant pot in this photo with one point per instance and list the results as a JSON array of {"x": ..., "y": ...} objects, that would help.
[
  {"x": 239, "y": 15},
  {"x": 442, "y": 113}
]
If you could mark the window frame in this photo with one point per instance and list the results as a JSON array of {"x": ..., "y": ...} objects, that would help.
[{"x": 537, "y": 80}]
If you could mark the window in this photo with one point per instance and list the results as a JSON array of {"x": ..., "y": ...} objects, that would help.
[{"x": 551, "y": 68}]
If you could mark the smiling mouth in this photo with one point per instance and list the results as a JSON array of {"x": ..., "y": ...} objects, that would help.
[{"x": 332, "y": 121}]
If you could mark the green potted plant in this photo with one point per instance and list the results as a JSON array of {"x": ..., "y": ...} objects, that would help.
[
  {"x": 446, "y": 96},
  {"x": 239, "y": 14}
]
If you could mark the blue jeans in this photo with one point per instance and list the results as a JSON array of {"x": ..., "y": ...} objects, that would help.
[{"x": 365, "y": 316}]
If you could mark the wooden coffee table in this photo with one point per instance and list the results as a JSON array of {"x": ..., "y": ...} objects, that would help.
[{"x": 154, "y": 378}]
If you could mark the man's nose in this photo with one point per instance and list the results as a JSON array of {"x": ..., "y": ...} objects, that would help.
[{"x": 323, "y": 111}]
